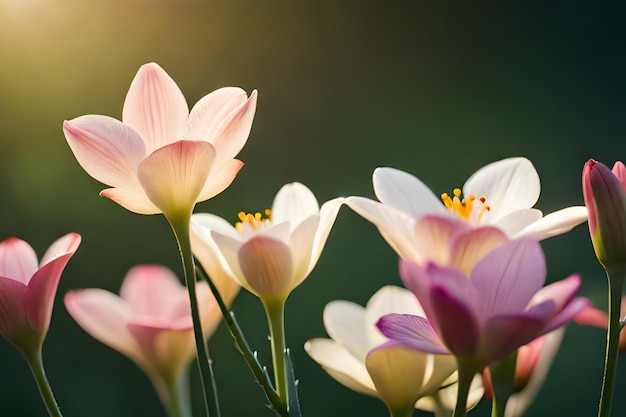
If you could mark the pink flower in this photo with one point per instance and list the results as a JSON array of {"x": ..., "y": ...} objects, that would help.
[
  {"x": 161, "y": 157},
  {"x": 485, "y": 315},
  {"x": 27, "y": 288},
  {"x": 605, "y": 199},
  {"x": 150, "y": 322}
]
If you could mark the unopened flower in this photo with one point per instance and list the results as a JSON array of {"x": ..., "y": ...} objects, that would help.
[
  {"x": 488, "y": 314},
  {"x": 149, "y": 322},
  {"x": 501, "y": 194},
  {"x": 161, "y": 158},
  {"x": 605, "y": 199},
  {"x": 28, "y": 288},
  {"x": 270, "y": 254}
]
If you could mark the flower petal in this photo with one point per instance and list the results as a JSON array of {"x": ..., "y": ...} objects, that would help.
[
  {"x": 106, "y": 148},
  {"x": 224, "y": 119},
  {"x": 412, "y": 331},
  {"x": 294, "y": 203},
  {"x": 344, "y": 322},
  {"x": 469, "y": 247},
  {"x": 406, "y": 193},
  {"x": 18, "y": 260},
  {"x": 220, "y": 178},
  {"x": 301, "y": 244},
  {"x": 328, "y": 214},
  {"x": 267, "y": 266},
  {"x": 341, "y": 365},
  {"x": 560, "y": 292},
  {"x": 133, "y": 200},
  {"x": 509, "y": 276},
  {"x": 510, "y": 184},
  {"x": 155, "y": 107},
  {"x": 65, "y": 244},
  {"x": 13, "y": 320},
  {"x": 517, "y": 220},
  {"x": 174, "y": 175},
  {"x": 555, "y": 223},
  {"x": 502, "y": 335},
  {"x": 433, "y": 237}
]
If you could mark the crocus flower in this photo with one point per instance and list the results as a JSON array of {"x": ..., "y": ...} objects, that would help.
[
  {"x": 28, "y": 288},
  {"x": 500, "y": 194},
  {"x": 532, "y": 365},
  {"x": 358, "y": 357},
  {"x": 149, "y": 322},
  {"x": 161, "y": 158},
  {"x": 605, "y": 199},
  {"x": 487, "y": 315},
  {"x": 269, "y": 256}
]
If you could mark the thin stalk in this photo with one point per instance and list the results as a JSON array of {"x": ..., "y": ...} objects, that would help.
[
  {"x": 241, "y": 344},
  {"x": 33, "y": 357},
  {"x": 275, "y": 310},
  {"x": 180, "y": 226},
  {"x": 502, "y": 374},
  {"x": 178, "y": 394},
  {"x": 467, "y": 370},
  {"x": 616, "y": 282}
]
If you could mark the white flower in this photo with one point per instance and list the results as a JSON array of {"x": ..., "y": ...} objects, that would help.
[{"x": 501, "y": 194}]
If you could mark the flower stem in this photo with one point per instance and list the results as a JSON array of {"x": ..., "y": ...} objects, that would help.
[
  {"x": 241, "y": 344},
  {"x": 178, "y": 393},
  {"x": 467, "y": 370},
  {"x": 180, "y": 226},
  {"x": 616, "y": 283},
  {"x": 503, "y": 383},
  {"x": 33, "y": 357},
  {"x": 275, "y": 310}
]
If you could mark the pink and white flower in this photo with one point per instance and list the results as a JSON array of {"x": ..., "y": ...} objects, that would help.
[{"x": 161, "y": 158}]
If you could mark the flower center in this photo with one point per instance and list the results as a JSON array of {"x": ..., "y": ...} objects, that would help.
[
  {"x": 464, "y": 207},
  {"x": 254, "y": 221}
]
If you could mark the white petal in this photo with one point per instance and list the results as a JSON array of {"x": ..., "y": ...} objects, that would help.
[
  {"x": 301, "y": 243},
  {"x": 345, "y": 323},
  {"x": 405, "y": 192},
  {"x": 515, "y": 221},
  {"x": 341, "y": 365},
  {"x": 556, "y": 223},
  {"x": 293, "y": 203},
  {"x": 510, "y": 184},
  {"x": 328, "y": 214}
]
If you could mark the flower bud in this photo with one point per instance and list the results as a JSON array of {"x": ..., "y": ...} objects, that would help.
[{"x": 605, "y": 199}]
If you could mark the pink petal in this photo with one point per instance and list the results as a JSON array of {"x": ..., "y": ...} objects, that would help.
[
  {"x": 18, "y": 260},
  {"x": 502, "y": 335},
  {"x": 619, "y": 170},
  {"x": 154, "y": 291},
  {"x": 469, "y": 247},
  {"x": 107, "y": 149},
  {"x": 417, "y": 280},
  {"x": 64, "y": 245},
  {"x": 42, "y": 288},
  {"x": 224, "y": 119},
  {"x": 155, "y": 107},
  {"x": 433, "y": 237},
  {"x": 509, "y": 276},
  {"x": 560, "y": 292},
  {"x": 568, "y": 313},
  {"x": 133, "y": 200},
  {"x": 219, "y": 179},
  {"x": 412, "y": 331},
  {"x": 267, "y": 265},
  {"x": 13, "y": 320},
  {"x": 105, "y": 317},
  {"x": 174, "y": 175},
  {"x": 592, "y": 316}
]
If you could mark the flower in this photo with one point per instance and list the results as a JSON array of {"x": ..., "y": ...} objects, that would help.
[
  {"x": 500, "y": 194},
  {"x": 161, "y": 158},
  {"x": 356, "y": 354},
  {"x": 270, "y": 256},
  {"x": 532, "y": 365},
  {"x": 149, "y": 322},
  {"x": 487, "y": 315},
  {"x": 605, "y": 199},
  {"x": 28, "y": 287}
]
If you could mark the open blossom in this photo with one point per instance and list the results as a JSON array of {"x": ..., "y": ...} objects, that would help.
[
  {"x": 357, "y": 357},
  {"x": 270, "y": 255},
  {"x": 605, "y": 199},
  {"x": 161, "y": 158},
  {"x": 501, "y": 194},
  {"x": 532, "y": 365},
  {"x": 489, "y": 313},
  {"x": 149, "y": 322},
  {"x": 28, "y": 288}
]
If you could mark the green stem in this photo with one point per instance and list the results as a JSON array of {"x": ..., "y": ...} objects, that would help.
[
  {"x": 178, "y": 393},
  {"x": 33, "y": 357},
  {"x": 275, "y": 309},
  {"x": 401, "y": 412},
  {"x": 466, "y": 369},
  {"x": 616, "y": 282},
  {"x": 180, "y": 226},
  {"x": 502, "y": 374},
  {"x": 241, "y": 344}
]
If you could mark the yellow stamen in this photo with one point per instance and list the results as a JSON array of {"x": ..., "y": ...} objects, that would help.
[
  {"x": 254, "y": 220},
  {"x": 463, "y": 206}
]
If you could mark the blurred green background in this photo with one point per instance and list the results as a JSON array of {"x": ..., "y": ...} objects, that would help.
[{"x": 436, "y": 89}]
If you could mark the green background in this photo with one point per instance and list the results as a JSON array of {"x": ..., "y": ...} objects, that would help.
[{"x": 436, "y": 89}]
